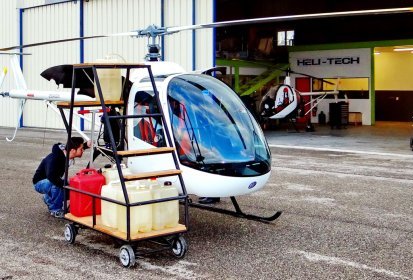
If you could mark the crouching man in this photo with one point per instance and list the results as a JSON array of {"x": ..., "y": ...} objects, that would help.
[{"x": 49, "y": 176}]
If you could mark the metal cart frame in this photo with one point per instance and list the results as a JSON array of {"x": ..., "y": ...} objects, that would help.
[{"x": 168, "y": 238}]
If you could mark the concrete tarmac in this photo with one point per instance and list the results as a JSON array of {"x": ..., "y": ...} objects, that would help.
[{"x": 346, "y": 198}]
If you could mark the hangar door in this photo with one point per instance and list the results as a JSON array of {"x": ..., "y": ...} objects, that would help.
[{"x": 394, "y": 85}]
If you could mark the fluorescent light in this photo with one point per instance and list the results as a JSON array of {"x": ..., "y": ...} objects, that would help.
[
  {"x": 403, "y": 49},
  {"x": 376, "y": 53}
]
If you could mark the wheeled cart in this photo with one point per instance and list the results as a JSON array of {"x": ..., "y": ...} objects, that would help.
[
  {"x": 168, "y": 239},
  {"x": 115, "y": 145}
]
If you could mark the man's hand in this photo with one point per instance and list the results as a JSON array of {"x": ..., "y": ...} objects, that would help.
[{"x": 89, "y": 143}]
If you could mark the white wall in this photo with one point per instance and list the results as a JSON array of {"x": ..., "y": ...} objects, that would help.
[
  {"x": 179, "y": 12},
  {"x": 60, "y": 21},
  {"x": 352, "y": 63},
  {"x": 116, "y": 16},
  {"x": 204, "y": 38},
  {"x": 47, "y": 23},
  {"x": 9, "y": 19}
]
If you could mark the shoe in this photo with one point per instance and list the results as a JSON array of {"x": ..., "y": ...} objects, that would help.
[
  {"x": 57, "y": 214},
  {"x": 209, "y": 200}
]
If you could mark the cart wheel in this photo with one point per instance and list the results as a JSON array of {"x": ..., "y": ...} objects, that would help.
[
  {"x": 70, "y": 233},
  {"x": 127, "y": 256},
  {"x": 179, "y": 247}
]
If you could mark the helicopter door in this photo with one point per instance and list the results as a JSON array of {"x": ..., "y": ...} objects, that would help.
[{"x": 147, "y": 129}]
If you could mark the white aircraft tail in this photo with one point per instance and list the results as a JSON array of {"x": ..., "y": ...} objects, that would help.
[
  {"x": 21, "y": 92},
  {"x": 3, "y": 75},
  {"x": 17, "y": 72},
  {"x": 20, "y": 84}
]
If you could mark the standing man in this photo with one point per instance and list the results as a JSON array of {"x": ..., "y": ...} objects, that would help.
[{"x": 49, "y": 176}]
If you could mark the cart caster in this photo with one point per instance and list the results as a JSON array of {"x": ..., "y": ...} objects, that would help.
[
  {"x": 127, "y": 256},
  {"x": 179, "y": 247},
  {"x": 70, "y": 233}
]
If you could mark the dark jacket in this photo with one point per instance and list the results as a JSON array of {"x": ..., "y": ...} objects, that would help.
[{"x": 52, "y": 167}]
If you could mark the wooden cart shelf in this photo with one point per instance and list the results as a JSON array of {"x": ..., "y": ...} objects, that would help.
[{"x": 88, "y": 221}]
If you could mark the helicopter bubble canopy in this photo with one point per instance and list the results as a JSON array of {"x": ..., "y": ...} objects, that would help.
[{"x": 213, "y": 130}]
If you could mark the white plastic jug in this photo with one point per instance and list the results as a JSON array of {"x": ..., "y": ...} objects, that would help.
[
  {"x": 164, "y": 214},
  {"x": 140, "y": 216},
  {"x": 111, "y": 174},
  {"x": 110, "y": 79},
  {"x": 109, "y": 210}
]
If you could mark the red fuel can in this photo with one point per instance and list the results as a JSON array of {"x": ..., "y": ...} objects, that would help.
[{"x": 88, "y": 180}]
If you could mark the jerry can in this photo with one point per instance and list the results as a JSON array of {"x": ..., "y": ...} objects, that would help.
[
  {"x": 86, "y": 180},
  {"x": 111, "y": 174},
  {"x": 140, "y": 216},
  {"x": 165, "y": 214},
  {"x": 109, "y": 210}
]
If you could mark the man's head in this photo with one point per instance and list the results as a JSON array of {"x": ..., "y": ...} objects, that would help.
[{"x": 75, "y": 147}]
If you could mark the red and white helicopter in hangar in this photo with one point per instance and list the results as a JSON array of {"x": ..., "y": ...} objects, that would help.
[
  {"x": 221, "y": 148},
  {"x": 285, "y": 102}
]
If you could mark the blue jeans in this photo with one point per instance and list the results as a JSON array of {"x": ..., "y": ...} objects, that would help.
[{"x": 52, "y": 195}]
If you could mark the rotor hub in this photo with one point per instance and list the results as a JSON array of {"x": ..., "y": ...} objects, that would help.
[{"x": 153, "y": 33}]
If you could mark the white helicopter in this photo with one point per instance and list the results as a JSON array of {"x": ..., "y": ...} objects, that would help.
[
  {"x": 220, "y": 146},
  {"x": 284, "y": 101}
]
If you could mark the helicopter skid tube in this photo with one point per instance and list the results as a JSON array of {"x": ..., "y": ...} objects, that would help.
[{"x": 237, "y": 213}]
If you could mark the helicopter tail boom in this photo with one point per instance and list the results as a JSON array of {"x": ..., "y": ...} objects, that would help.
[{"x": 46, "y": 95}]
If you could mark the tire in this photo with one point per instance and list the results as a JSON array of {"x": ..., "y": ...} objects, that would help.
[
  {"x": 70, "y": 233},
  {"x": 127, "y": 256},
  {"x": 179, "y": 247}
]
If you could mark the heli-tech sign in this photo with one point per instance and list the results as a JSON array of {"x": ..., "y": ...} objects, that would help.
[{"x": 332, "y": 63}]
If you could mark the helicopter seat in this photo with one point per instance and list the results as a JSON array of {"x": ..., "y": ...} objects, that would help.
[
  {"x": 184, "y": 142},
  {"x": 114, "y": 126},
  {"x": 144, "y": 129}
]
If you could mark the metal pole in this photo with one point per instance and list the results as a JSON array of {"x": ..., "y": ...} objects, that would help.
[{"x": 92, "y": 139}]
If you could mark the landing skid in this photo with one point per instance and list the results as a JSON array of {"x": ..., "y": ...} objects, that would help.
[{"x": 237, "y": 213}]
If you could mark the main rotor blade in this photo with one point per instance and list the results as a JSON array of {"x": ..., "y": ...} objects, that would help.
[
  {"x": 14, "y": 53},
  {"x": 153, "y": 31},
  {"x": 290, "y": 18},
  {"x": 132, "y": 33}
]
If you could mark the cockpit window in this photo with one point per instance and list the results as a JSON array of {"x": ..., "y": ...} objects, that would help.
[
  {"x": 213, "y": 130},
  {"x": 148, "y": 129}
]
